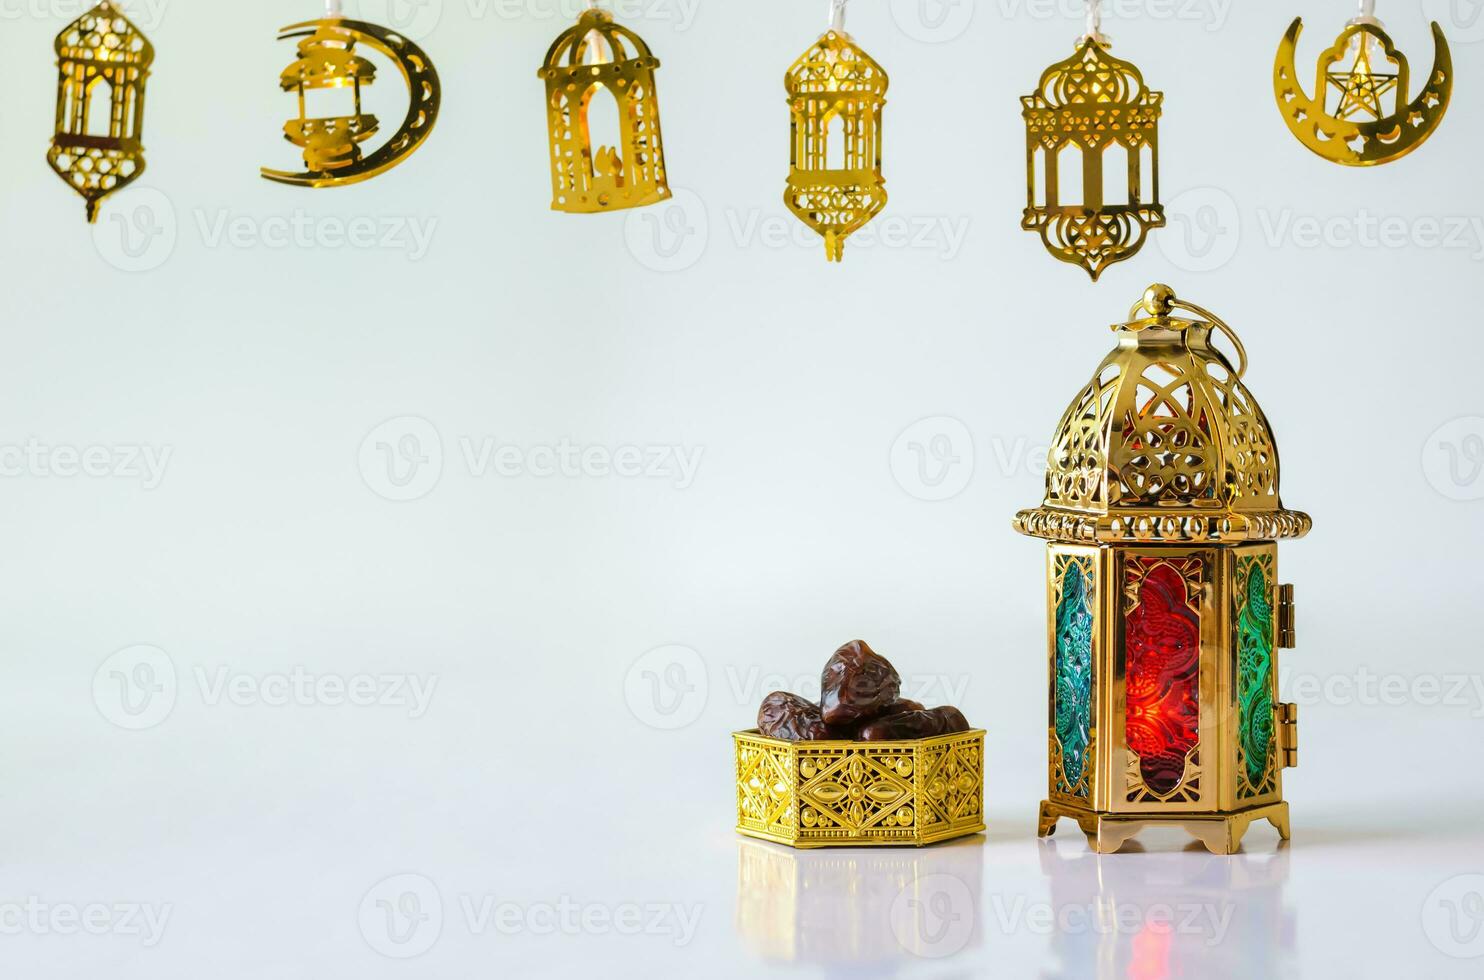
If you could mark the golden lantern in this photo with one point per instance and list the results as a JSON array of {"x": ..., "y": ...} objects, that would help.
[
  {"x": 1092, "y": 110},
  {"x": 103, "y": 63},
  {"x": 1162, "y": 513},
  {"x": 835, "y": 88},
  {"x": 594, "y": 59}
]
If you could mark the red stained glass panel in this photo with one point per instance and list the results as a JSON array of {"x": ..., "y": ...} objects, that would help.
[{"x": 1162, "y": 641}]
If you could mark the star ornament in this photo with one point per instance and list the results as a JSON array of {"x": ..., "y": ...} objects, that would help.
[{"x": 1361, "y": 88}]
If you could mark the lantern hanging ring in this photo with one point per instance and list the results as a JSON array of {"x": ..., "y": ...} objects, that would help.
[{"x": 1159, "y": 300}]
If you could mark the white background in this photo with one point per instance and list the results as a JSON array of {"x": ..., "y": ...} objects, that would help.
[{"x": 542, "y": 777}]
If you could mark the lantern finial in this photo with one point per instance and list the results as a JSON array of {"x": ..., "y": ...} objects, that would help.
[{"x": 1158, "y": 300}]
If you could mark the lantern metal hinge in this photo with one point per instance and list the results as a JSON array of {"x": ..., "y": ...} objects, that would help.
[
  {"x": 1287, "y": 636},
  {"x": 1288, "y": 734}
]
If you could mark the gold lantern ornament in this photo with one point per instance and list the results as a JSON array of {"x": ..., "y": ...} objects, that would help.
[
  {"x": 1164, "y": 609},
  {"x": 1362, "y": 115},
  {"x": 592, "y": 60},
  {"x": 836, "y": 94},
  {"x": 331, "y": 146},
  {"x": 1092, "y": 155},
  {"x": 103, "y": 62}
]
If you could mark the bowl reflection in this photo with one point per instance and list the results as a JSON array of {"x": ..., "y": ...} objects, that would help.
[{"x": 867, "y": 907}]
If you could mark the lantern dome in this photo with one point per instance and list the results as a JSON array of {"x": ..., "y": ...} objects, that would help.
[
  {"x": 1165, "y": 443},
  {"x": 596, "y": 38}
]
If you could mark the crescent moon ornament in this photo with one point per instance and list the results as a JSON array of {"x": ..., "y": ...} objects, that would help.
[
  {"x": 1360, "y": 115},
  {"x": 328, "y": 59}
]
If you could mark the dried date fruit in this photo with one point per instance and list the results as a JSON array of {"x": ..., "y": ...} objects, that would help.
[
  {"x": 788, "y": 716},
  {"x": 850, "y": 732},
  {"x": 915, "y": 724},
  {"x": 857, "y": 685}
]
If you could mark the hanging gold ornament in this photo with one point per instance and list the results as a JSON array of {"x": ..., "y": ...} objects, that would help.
[
  {"x": 594, "y": 59},
  {"x": 328, "y": 60},
  {"x": 102, "y": 64},
  {"x": 1100, "y": 106},
  {"x": 835, "y": 84},
  {"x": 1360, "y": 116}
]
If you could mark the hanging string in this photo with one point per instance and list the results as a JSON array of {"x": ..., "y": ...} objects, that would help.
[
  {"x": 332, "y": 8},
  {"x": 1367, "y": 14},
  {"x": 837, "y": 15},
  {"x": 596, "y": 50},
  {"x": 1095, "y": 23}
]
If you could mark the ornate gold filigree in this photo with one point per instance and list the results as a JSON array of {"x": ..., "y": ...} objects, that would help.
[
  {"x": 1165, "y": 443},
  {"x": 599, "y": 59},
  {"x": 1094, "y": 102},
  {"x": 818, "y": 794},
  {"x": 835, "y": 84},
  {"x": 1360, "y": 116},
  {"x": 102, "y": 59},
  {"x": 1061, "y": 786}
]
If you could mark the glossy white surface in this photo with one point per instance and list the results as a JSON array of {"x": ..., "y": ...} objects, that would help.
[{"x": 557, "y": 654}]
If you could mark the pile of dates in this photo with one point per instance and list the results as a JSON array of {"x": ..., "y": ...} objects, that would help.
[{"x": 859, "y": 700}]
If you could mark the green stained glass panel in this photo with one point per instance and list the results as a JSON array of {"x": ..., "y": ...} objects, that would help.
[
  {"x": 1073, "y": 671},
  {"x": 1255, "y": 667}
]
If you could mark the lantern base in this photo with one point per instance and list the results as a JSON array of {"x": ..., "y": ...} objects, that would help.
[{"x": 1222, "y": 833}]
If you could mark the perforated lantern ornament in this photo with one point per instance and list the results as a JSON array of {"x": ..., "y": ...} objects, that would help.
[
  {"x": 1362, "y": 112},
  {"x": 836, "y": 94},
  {"x": 329, "y": 63},
  {"x": 103, "y": 63},
  {"x": 1092, "y": 156},
  {"x": 1163, "y": 517},
  {"x": 598, "y": 59}
]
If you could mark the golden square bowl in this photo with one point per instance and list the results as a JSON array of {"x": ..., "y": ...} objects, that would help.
[{"x": 852, "y": 794}]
